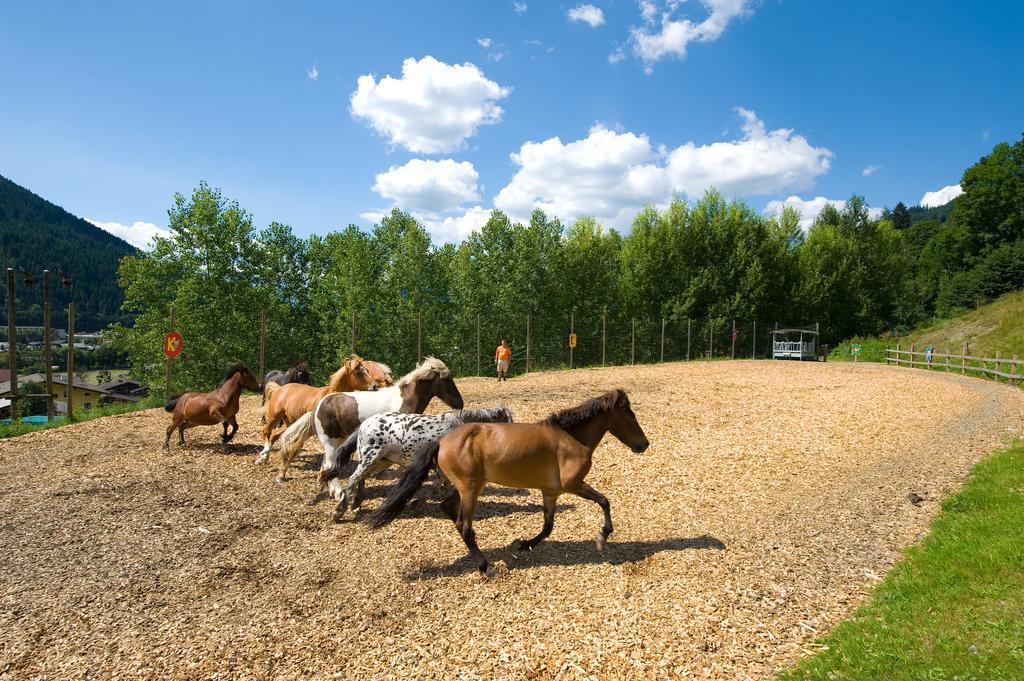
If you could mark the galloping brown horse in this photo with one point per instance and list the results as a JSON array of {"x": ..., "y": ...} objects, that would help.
[
  {"x": 553, "y": 456},
  {"x": 207, "y": 409},
  {"x": 290, "y": 401}
]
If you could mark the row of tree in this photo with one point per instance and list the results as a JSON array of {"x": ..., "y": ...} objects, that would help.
[{"x": 714, "y": 259}]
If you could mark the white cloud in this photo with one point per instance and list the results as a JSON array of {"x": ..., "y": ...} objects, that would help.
[
  {"x": 616, "y": 56},
  {"x": 676, "y": 34},
  {"x": 810, "y": 208},
  {"x": 519, "y": 7},
  {"x": 588, "y": 14},
  {"x": 138, "y": 234},
  {"x": 313, "y": 73},
  {"x": 422, "y": 186},
  {"x": 454, "y": 229},
  {"x": 433, "y": 108},
  {"x": 611, "y": 175},
  {"x": 870, "y": 170},
  {"x": 940, "y": 197},
  {"x": 648, "y": 10},
  {"x": 484, "y": 42}
]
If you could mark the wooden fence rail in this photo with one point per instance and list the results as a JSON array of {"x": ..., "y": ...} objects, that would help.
[{"x": 962, "y": 362}]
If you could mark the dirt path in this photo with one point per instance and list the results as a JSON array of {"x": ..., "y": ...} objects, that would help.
[{"x": 772, "y": 496}]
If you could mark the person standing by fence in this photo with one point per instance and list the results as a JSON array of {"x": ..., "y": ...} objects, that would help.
[{"x": 502, "y": 359}]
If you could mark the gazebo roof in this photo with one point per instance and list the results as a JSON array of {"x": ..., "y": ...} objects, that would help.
[{"x": 810, "y": 331}]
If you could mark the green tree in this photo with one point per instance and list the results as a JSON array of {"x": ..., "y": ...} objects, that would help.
[{"x": 992, "y": 205}]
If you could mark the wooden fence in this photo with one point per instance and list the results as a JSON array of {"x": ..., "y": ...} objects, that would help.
[{"x": 963, "y": 362}]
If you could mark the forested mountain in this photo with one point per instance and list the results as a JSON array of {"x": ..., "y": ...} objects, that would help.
[
  {"x": 936, "y": 213},
  {"x": 36, "y": 235}
]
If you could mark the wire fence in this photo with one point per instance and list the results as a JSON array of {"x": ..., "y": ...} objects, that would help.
[{"x": 541, "y": 344}]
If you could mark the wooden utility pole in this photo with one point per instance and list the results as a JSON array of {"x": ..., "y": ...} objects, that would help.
[
  {"x": 263, "y": 344},
  {"x": 12, "y": 344},
  {"x": 478, "y": 345},
  {"x": 689, "y": 323},
  {"x": 47, "y": 349},
  {"x": 170, "y": 327},
  {"x": 527, "y": 343},
  {"x": 71, "y": 360},
  {"x": 662, "y": 339}
]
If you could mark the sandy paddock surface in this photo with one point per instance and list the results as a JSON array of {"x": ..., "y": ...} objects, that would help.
[{"x": 772, "y": 496}]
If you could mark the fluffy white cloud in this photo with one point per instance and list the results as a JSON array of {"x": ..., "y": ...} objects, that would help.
[
  {"x": 138, "y": 234},
  {"x": 519, "y": 7},
  {"x": 870, "y": 170},
  {"x": 676, "y": 34},
  {"x": 810, "y": 208},
  {"x": 587, "y": 14},
  {"x": 611, "y": 175},
  {"x": 484, "y": 42},
  {"x": 648, "y": 10},
  {"x": 313, "y": 73},
  {"x": 455, "y": 228},
  {"x": 940, "y": 197},
  {"x": 433, "y": 108},
  {"x": 422, "y": 186}
]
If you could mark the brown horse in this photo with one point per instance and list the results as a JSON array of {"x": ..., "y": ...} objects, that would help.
[
  {"x": 380, "y": 372},
  {"x": 290, "y": 401},
  {"x": 207, "y": 409},
  {"x": 553, "y": 456}
]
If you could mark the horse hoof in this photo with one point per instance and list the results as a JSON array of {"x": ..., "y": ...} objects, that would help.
[
  {"x": 601, "y": 542},
  {"x": 261, "y": 459},
  {"x": 338, "y": 516},
  {"x": 525, "y": 546},
  {"x": 280, "y": 479},
  {"x": 490, "y": 572}
]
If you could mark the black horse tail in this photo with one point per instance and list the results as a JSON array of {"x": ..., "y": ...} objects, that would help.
[
  {"x": 345, "y": 452},
  {"x": 411, "y": 480},
  {"x": 171, "y": 402}
]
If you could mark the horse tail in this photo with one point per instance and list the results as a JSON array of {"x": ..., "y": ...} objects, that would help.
[
  {"x": 296, "y": 435},
  {"x": 344, "y": 455},
  {"x": 269, "y": 388},
  {"x": 171, "y": 403},
  {"x": 411, "y": 480}
]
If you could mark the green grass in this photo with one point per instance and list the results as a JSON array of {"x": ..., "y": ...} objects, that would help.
[
  {"x": 871, "y": 350},
  {"x": 953, "y": 608},
  {"x": 18, "y": 428}
]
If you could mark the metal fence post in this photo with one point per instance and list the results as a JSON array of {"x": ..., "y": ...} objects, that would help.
[
  {"x": 662, "y": 339},
  {"x": 419, "y": 335},
  {"x": 689, "y": 324},
  {"x": 263, "y": 344},
  {"x": 753, "y": 342},
  {"x": 170, "y": 327},
  {"x": 604, "y": 335},
  {"x": 12, "y": 345},
  {"x": 352, "y": 346},
  {"x": 632, "y": 345},
  {"x": 733, "y": 339},
  {"x": 478, "y": 345},
  {"x": 572, "y": 330},
  {"x": 527, "y": 343},
  {"x": 711, "y": 338},
  {"x": 47, "y": 341}
]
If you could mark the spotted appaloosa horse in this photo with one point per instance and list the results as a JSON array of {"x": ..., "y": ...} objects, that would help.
[
  {"x": 337, "y": 415},
  {"x": 392, "y": 439},
  {"x": 553, "y": 456}
]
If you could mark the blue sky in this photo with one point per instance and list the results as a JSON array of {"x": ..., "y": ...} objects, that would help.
[{"x": 451, "y": 108}]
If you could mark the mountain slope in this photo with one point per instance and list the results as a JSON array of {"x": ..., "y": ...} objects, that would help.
[{"x": 36, "y": 235}]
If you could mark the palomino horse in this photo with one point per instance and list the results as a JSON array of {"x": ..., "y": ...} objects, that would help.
[
  {"x": 298, "y": 373},
  {"x": 335, "y": 416},
  {"x": 290, "y": 401},
  {"x": 380, "y": 372},
  {"x": 207, "y": 409},
  {"x": 392, "y": 439},
  {"x": 553, "y": 456}
]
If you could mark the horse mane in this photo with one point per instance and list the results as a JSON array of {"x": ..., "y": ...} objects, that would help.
[
  {"x": 336, "y": 376},
  {"x": 386, "y": 369},
  {"x": 431, "y": 367},
  {"x": 574, "y": 416},
  {"x": 487, "y": 415},
  {"x": 235, "y": 368}
]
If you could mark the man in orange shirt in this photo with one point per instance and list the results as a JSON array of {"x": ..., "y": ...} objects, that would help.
[{"x": 502, "y": 358}]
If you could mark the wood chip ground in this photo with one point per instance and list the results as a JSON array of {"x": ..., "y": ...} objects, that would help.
[{"x": 774, "y": 495}]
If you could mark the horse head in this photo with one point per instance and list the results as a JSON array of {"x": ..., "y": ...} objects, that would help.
[
  {"x": 300, "y": 373},
  {"x": 360, "y": 377},
  {"x": 623, "y": 424}
]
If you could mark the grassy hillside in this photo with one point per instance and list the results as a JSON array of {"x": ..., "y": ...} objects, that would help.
[
  {"x": 998, "y": 326},
  {"x": 36, "y": 235}
]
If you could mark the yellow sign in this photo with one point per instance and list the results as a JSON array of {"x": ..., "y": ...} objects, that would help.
[{"x": 572, "y": 340}]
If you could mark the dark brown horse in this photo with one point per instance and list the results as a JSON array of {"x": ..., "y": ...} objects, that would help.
[
  {"x": 298, "y": 373},
  {"x": 553, "y": 456},
  {"x": 207, "y": 409}
]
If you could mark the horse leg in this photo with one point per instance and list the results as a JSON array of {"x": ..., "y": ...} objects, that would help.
[
  {"x": 170, "y": 429},
  {"x": 234, "y": 429},
  {"x": 550, "y": 499},
  {"x": 354, "y": 481},
  {"x": 587, "y": 492},
  {"x": 181, "y": 432},
  {"x": 224, "y": 436},
  {"x": 450, "y": 505},
  {"x": 464, "y": 523}
]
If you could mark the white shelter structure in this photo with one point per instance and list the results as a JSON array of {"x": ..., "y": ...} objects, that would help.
[{"x": 795, "y": 344}]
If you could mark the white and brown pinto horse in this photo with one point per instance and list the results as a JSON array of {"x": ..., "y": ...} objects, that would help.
[{"x": 336, "y": 416}]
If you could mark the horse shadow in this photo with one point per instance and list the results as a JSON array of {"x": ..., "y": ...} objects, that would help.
[
  {"x": 568, "y": 553},
  {"x": 235, "y": 449}
]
